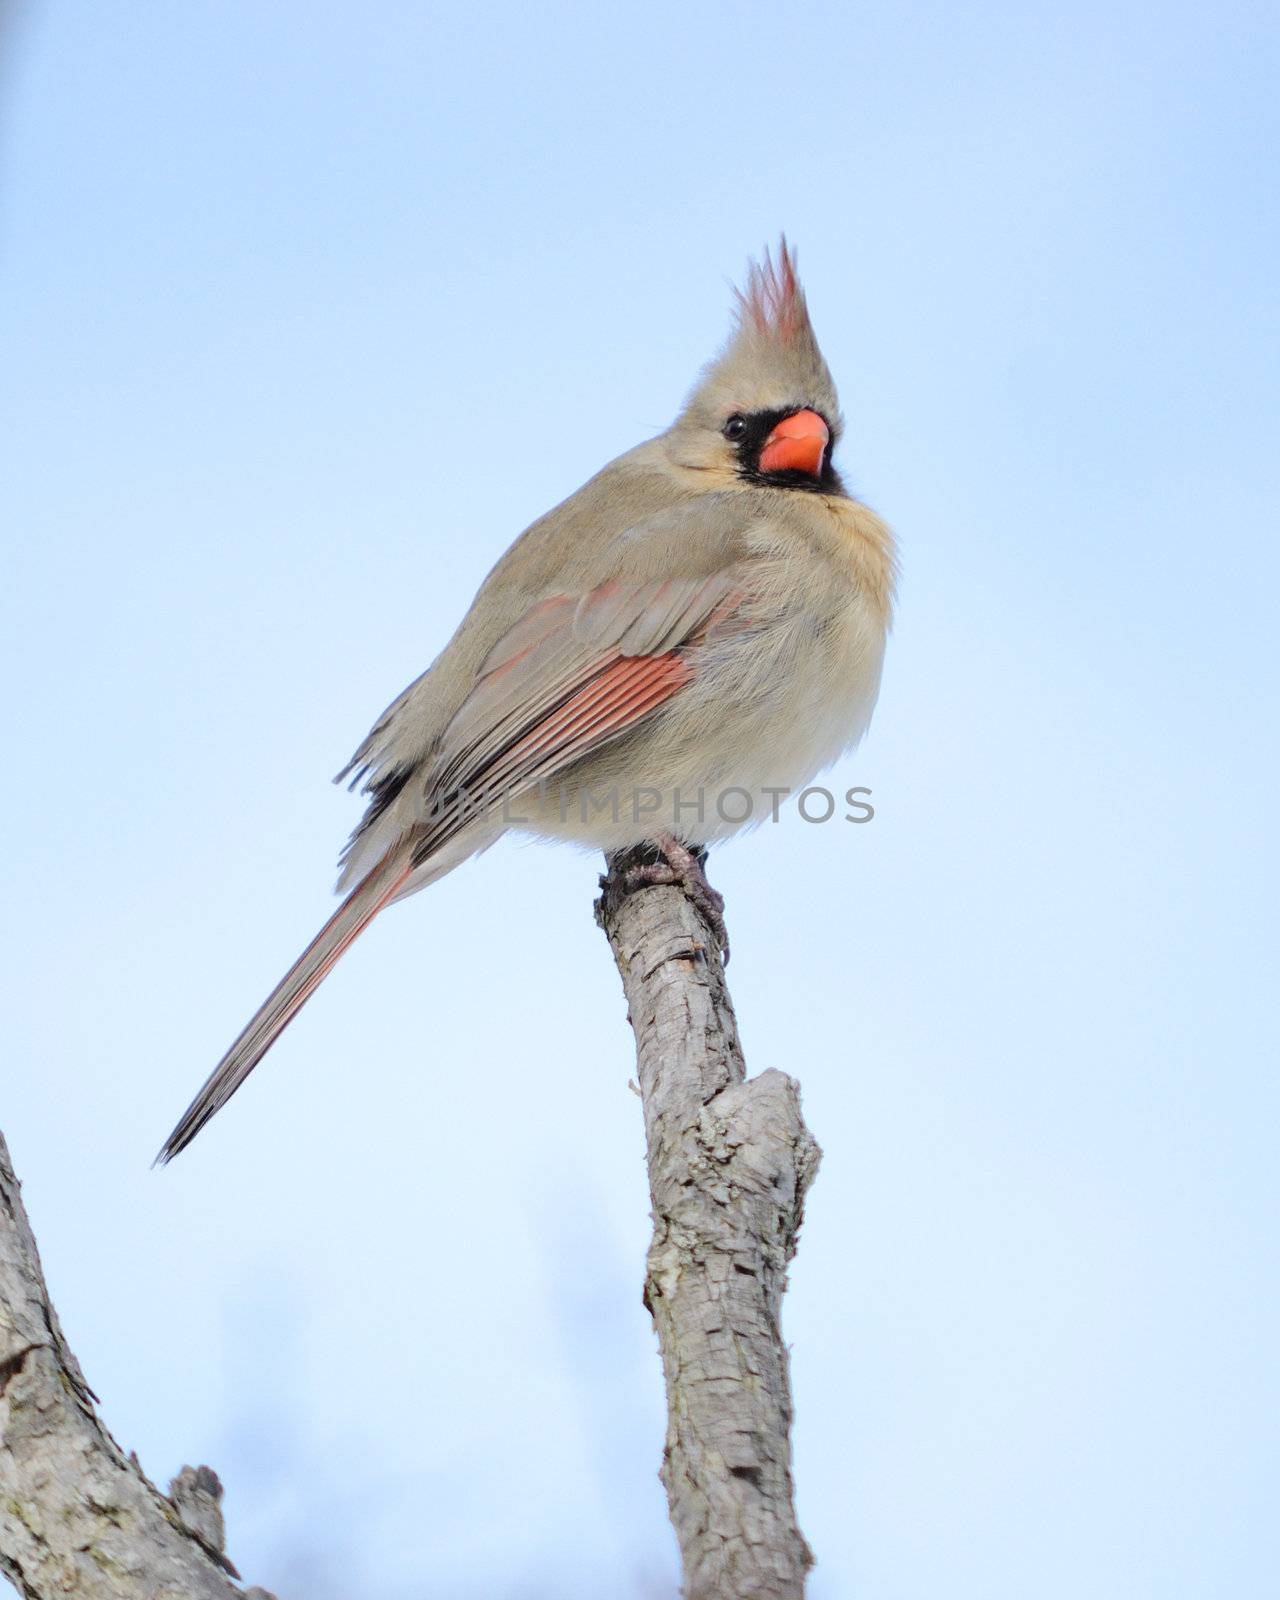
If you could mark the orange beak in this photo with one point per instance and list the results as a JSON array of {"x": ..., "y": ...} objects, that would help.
[{"x": 797, "y": 444}]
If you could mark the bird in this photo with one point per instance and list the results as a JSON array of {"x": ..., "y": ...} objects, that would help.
[{"x": 707, "y": 614}]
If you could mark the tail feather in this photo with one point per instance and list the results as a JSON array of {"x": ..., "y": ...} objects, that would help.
[{"x": 288, "y": 997}]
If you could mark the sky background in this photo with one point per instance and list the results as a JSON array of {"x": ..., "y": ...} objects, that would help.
[{"x": 305, "y": 312}]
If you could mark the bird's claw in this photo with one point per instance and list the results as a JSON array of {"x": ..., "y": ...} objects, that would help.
[{"x": 684, "y": 869}]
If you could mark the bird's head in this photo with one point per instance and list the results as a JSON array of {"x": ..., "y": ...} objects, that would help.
[{"x": 765, "y": 412}]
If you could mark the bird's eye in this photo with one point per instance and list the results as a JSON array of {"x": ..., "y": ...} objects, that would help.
[{"x": 735, "y": 428}]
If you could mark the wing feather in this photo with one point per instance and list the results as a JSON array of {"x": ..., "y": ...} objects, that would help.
[{"x": 572, "y": 674}]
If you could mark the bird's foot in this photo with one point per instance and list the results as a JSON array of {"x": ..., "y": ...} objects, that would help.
[{"x": 684, "y": 869}]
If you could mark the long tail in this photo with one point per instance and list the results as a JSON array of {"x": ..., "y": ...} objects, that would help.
[{"x": 288, "y": 997}]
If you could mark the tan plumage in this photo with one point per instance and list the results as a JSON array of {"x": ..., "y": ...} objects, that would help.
[{"x": 686, "y": 622}]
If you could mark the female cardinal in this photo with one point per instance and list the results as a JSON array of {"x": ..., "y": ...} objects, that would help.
[{"x": 705, "y": 615}]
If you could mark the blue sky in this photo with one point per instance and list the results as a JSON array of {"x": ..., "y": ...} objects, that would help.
[{"x": 305, "y": 314}]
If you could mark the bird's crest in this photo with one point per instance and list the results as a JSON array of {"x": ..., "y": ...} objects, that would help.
[
  {"x": 773, "y": 301},
  {"x": 772, "y": 360}
]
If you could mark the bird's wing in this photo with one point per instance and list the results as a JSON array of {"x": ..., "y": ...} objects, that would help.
[
  {"x": 575, "y": 672},
  {"x": 620, "y": 536}
]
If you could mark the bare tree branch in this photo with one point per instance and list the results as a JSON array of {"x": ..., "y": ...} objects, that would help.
[
  {"x": 76, "y": 1515},
  {"x": 729, "y": 1164}
]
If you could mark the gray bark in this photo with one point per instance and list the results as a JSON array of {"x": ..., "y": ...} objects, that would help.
[
  {"x": 76, "y": 1515},
  {"x": 729, "y": 1164},
  {"x": 730, "y": 1161}
]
